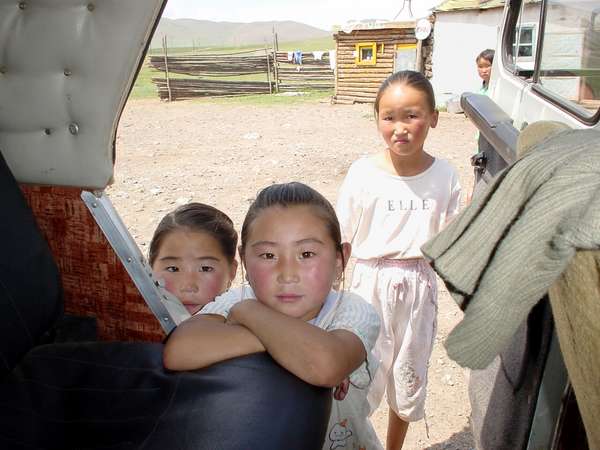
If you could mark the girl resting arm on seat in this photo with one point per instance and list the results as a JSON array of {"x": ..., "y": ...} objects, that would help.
[{"x": 292, "y": 251}]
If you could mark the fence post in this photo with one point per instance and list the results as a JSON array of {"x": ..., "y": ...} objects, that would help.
[
  {"x": 268, "y": 71},
  {"x": 167, "y": 67},
  {"x": 275, "y": 63}
]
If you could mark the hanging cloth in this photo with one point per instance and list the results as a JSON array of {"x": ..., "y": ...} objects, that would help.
[{"x": 298, "y": 57}]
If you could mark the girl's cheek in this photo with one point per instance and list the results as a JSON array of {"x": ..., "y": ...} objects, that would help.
[
  {"x": 215, "y": 285},
  {"x": 166, "y": 280},
  {"x": 258, "y": 274},
  {"x": 169, "y": 284},
  {"x": 261, "y": 279},
  {"x": 210, "y": 285},
  {"x": 321, "y": 276}
]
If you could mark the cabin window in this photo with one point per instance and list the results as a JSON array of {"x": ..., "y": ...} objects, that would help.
[
  {"x": 525, "y": 38},
  {"x": 570, "y": 59},
  {"x": 406, "y": 57},
  {"x": 366, "y": 53}
]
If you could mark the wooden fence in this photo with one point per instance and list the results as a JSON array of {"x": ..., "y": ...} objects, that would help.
[
  {"x": 280, "y": 74},
  {"x": 181, "y": 88},
  {"x": 205, "y": 67},
  {"x": 312, "y": 74}
]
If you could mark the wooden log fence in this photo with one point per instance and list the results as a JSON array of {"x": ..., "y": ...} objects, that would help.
[
  {"x": 216, "y": 66},
  {"x": 312, "y": 74},
  {"x": 182, "y": 88},
  {"x": 281, "y": 75}
]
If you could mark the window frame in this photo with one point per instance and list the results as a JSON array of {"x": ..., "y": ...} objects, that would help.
[
  {"x": 405, "y": 46},
  {"x": 366, "y": 62},
  {"x": 518, "y": 44}
]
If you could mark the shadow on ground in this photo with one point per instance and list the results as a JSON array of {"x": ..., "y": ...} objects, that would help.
[{"x": 463, "y": 440}]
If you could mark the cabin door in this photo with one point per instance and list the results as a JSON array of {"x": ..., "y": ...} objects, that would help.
[{"x": 405, "y": 57}]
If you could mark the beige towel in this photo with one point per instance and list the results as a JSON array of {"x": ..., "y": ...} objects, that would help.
[{"x": 575, "y": 300}]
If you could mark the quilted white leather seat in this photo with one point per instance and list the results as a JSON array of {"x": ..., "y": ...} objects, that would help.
[{"x": 61, "y": 97}]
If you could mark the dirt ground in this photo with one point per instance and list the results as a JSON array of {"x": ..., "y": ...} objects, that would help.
[{"x": 222, "y": 154}]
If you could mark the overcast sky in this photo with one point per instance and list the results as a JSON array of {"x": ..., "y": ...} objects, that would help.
[{"x": 319, "y": 13}]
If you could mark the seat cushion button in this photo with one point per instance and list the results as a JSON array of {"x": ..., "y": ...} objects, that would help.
[
  {"x": 22, "y": 5},
  {"x": 67, "y": 73},
  {"x": 48, "y": 131},
  {"x": 90, "y": 7},
  {"x": 73, "y": 128}
]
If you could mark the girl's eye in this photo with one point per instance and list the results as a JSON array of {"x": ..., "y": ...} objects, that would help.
[
  {"x": 308, "y": 254},
  {"x": 267, "y": 255},
  {"x": 206, "y": 269},
  {"x": 387, "y": 118},
  {"x": 172, "y": 269}
]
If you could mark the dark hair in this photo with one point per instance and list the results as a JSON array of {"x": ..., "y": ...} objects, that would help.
[
  {"x": 487, "y": 54},
  {"x": 200, "y": 218},
  {"x": 293, "y": 194},
  {"x": 415, "y": 80}
]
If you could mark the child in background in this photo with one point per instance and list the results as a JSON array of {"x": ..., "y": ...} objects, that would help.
[
  {"x": 484, "y": 68},
  {"x": 292, "y": 251},
  {"x": 193, "y": 253},
  {"x": 389, "y": 205}
]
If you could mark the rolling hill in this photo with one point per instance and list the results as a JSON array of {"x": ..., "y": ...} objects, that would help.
[{"x": 204, "y": 33}]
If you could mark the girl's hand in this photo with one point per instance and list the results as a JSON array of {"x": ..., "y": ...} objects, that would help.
[{"x": 341, "y": 390}]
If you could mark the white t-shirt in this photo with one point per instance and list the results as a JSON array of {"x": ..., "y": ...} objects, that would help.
[{"x": 389, "y": 216}]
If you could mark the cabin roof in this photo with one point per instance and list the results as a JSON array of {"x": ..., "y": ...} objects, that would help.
[
  {"x": 459, "y": 5},
  {"x": 351, "y": 27}
]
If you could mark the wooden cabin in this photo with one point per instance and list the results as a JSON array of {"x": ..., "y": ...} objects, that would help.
[{"x": 366, "y": 57}]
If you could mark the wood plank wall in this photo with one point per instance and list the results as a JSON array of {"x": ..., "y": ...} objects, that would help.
[{"x": 359, "y": 83}]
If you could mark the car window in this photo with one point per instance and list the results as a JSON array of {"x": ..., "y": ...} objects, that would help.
[{"x": 569, "y": 66}]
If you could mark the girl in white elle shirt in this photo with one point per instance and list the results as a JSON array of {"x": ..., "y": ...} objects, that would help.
[{"x": 389, "y": 205}]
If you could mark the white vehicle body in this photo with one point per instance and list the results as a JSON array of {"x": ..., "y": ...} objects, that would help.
[{"x": 546, "y": 68}]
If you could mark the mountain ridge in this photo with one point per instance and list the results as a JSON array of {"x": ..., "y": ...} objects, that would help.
[{"x": 206, "y": 33}]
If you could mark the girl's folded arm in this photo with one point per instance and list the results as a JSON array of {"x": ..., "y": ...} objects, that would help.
[
  {"x": 203, "y": 340},
  {"x": 319, "y": 357}
]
